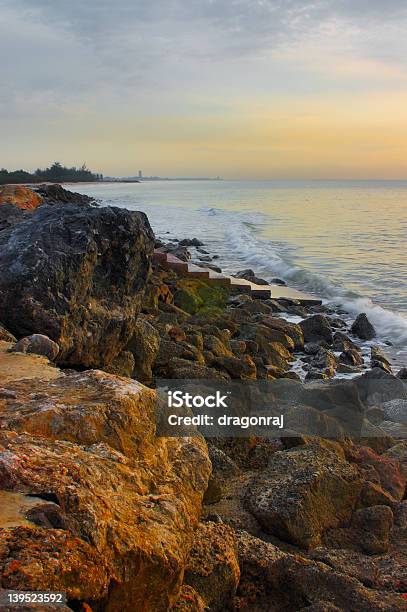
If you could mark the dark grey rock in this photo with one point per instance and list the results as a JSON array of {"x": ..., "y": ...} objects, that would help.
[
  {"x": 362, "y": 327},
  {"x": 76, "y": 274},
  {"x": 317, "y": 329}
]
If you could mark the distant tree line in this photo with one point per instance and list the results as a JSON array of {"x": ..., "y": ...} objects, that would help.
[{"x": 54, "y": 174}]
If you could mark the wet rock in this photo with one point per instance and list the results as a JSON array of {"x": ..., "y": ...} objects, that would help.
[
  {"x": 325, "y": 360},
  {"x": 212, "y": 567},
  {"x": 343, "y": 343},
  {"x": 212, "y": 266},
  {"x": 181, "y": 252},
  {"x": 347, "y": 369},
  {"x": 191, "y": 242},
  {"x": 379, "y": 360},
  {"x": 317, "y": 328},
  {"x": 311, "y": 348},
  {"x": 351, "y": 357},
  {"x": 338, "y": 323},
  {"x": 76, "y": 274},
  {"x": 37, "y": 344},
  {"x": 19, "y": 196},
  {"x": 275, "y": 305},
  {"x": 315, "y": 375},
  {"x": 293, "y": 307},
  {"x": 278, "y": 281},
  {"x": 304, "y": 491},
  {"x": 128, "y": 502},
  {"x": 144, "y": 346},
  {"x": 250, "y": 275},
  {"x": 362, "y": 327}
]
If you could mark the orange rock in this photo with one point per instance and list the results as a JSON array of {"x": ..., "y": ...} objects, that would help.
[
  {"x": 22, "y": 197},
  {"x": 118, "y": 506}
]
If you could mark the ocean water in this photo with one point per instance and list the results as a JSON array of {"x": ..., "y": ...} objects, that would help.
[{"x": 343, "y": 241}]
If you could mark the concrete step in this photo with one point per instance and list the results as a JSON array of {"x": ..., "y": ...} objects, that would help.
[{"x": 277, "y": 292}]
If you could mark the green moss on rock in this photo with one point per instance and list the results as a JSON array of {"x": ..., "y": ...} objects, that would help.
[{"x": 195, "y": 296}]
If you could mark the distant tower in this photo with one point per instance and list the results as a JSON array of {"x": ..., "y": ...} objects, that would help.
[{"x": 140, "y": 174}]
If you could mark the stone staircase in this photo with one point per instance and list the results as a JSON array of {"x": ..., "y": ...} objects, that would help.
[{"x": 276, "y": 292}]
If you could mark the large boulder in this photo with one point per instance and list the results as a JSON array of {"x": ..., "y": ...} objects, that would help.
[
  {"x": 91, "y": 501},
  {"x": 76, "y": 274},
  {"x": 303, "y": 492}
]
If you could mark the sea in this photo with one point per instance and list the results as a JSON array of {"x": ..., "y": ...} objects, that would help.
[{"x": 344, "y": 241}]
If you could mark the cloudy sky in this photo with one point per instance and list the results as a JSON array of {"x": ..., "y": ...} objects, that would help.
[{"x": 239, "y": 88}]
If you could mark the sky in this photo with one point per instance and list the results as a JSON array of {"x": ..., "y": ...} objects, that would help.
[{"x": 251, "y": 89}]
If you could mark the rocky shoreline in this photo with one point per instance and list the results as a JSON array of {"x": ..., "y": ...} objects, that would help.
[{"x": 94, "y": 503}]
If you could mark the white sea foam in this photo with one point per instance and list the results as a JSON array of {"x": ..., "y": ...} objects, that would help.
[{"x": 243, "y": 248}]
